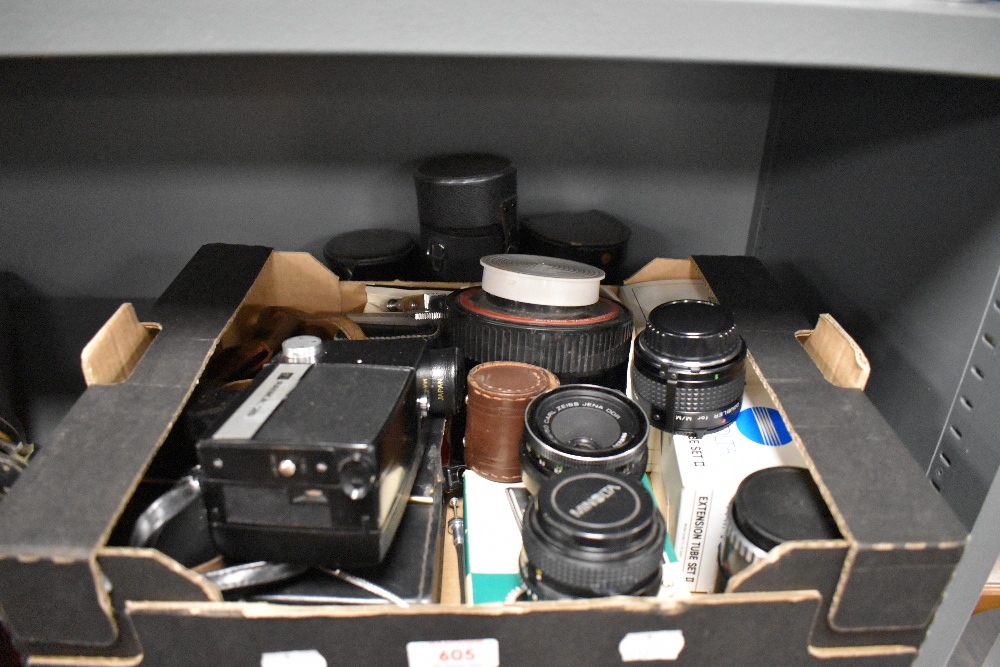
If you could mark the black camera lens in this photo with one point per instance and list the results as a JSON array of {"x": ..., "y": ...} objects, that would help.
[
  {"x": 582, "y": 427},
  {"x": 770, "y": 507},
  {"x": 543, "y": 311},
  {"x": 591, "y": 534},
  {"x": 441, "y": 381},
  {"x": 689, "y": 367}
]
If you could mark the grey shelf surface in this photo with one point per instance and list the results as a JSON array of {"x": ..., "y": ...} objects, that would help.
[{"x": 905, "y": 35}]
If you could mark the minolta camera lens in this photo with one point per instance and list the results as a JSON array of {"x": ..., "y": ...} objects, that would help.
[
  {"x": 689, "y": 367},
  {"x": 582, "y": 427},
  {"x": 590, "y": 534},
  {"x": 770, "y": 507}
]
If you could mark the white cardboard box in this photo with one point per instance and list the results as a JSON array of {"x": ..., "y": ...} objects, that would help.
[{"x": 700, "y": 477}]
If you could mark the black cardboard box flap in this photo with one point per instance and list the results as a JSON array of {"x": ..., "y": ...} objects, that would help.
[
  {"x": 889, "y": 513},
  {"x": 67, "y": 501}
]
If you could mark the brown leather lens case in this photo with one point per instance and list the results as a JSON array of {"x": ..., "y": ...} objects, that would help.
[{"x": 498, "y": 394}]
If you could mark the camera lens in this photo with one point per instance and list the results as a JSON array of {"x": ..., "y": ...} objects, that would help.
[
  {"x": 591, "y": 534},
  {"x": 772, "y": 506},
  {"x": 546, "y": 312},
  {"x": 690, "y": 367},
  {"x": 441, "y": 381},
  {"x": 582, "y": 427}
]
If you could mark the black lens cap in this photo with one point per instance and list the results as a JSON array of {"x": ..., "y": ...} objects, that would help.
[
  {"x": 775, "y": 505},
  {"x": 691, "y": 330},
  {"x": 594, "y": 531},
  {"x": 595, "y": 509}
]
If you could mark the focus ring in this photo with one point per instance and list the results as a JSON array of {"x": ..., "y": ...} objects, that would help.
[
  {"x": 560, "y": 349},
  {"x": 620, "y": 575},
  {"x": 637, "y": 456},
  {"x": 689, "y": 399}
]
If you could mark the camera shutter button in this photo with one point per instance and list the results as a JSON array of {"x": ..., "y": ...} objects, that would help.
[{"x": 356, "y": 477}]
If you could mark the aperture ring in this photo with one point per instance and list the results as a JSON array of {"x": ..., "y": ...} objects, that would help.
[{"x": 620, "y": 573}]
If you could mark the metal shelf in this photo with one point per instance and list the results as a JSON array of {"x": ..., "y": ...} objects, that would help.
[{"x": 905, "y": 35}]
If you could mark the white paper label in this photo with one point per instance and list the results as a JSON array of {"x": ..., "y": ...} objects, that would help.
[
  {"x": 454, "y": 653},
  {"x": 311, "y": 658},
  {"x": 265, "y": 399},
  {"x": 655, "y": 645}
]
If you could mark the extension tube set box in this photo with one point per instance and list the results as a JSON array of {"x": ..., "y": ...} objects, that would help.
[
  {"x": 73, "y": 592},
  {"x": 700, "y": 476}
]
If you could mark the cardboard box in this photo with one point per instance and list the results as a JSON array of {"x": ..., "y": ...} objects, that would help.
[{"x": 71, "y": 597}]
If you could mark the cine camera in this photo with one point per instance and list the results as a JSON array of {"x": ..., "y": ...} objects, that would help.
[{"x": 316, "y": 464}]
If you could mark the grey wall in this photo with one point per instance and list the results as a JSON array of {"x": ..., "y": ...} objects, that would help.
[
  {"x": 881, "y": 206},
  {"x": 115, "y": 170}
]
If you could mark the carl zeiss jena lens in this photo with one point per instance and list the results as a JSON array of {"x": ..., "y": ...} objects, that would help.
[{"x": 582, "y": 427}]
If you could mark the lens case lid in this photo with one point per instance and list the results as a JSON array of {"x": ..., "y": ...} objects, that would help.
[
  {"x": 690, "y": 331},
  {"x": 545, "y": 281},
  {"x": 585, "y": 426},
  {"x": 362, "y": 247},
  {"x": 462, "y": 168}
]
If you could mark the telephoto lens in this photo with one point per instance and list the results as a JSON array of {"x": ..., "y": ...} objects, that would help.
[
  {"x": 689, "y": 367},
  {"x": 772, "y": 506},
  {"x": 590, "y": 534},
  {"x": 582, "y": 427},
  {"x": 544, "y": 311},
  {"x": 467, "y": 206}
]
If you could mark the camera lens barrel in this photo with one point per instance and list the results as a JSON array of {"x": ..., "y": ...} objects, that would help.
[
  {"x": 592, "y": 534},
  {"x": 689, "y": 367},
  {"x": 542, "y": 311},
  {"x": 441, "y": 381},
  {"x": 582, "y": 427},
  {"x": 770, "y": 507}
]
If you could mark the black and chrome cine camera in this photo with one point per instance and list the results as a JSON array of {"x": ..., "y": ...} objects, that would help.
[{"x": 316, "y": 464}]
